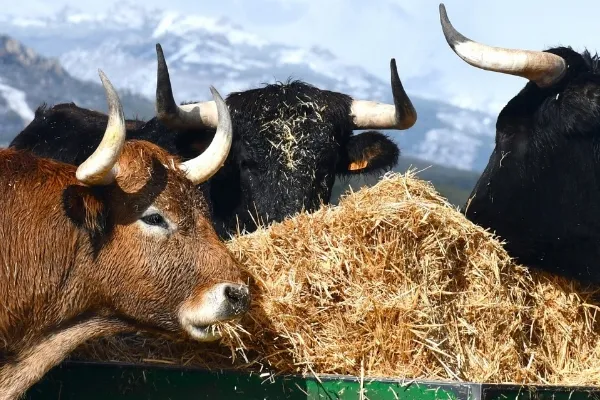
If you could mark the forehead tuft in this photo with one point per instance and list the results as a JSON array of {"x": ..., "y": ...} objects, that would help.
[
  {"x": 140, "y": 155},
  {"x": 142, "y": 160},
  {"x": 592, "y": 61},
  {"x": 290, "y": 122},
  {"x": 151, "y": 172},
  {"x": 288, "y": 129}
]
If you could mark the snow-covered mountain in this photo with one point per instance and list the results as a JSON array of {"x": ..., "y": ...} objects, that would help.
[
  {"x": 27, "y": 80},
  {"x": 203, "y": 51}
]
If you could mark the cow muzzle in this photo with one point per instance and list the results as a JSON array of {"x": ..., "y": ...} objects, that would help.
[{"x": 222, "y": 302}]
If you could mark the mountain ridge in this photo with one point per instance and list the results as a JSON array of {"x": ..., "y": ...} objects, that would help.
[
  {"x": 203, "y": 51},
  {"x": 29, "y": 80}
]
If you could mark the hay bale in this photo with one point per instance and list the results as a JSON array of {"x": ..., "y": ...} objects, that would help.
[{"x": 393, "y": 282}]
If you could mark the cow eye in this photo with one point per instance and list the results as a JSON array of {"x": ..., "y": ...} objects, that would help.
[{"x": 155, "y": 220}]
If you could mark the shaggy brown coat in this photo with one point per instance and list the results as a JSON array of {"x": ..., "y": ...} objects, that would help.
[{"x": 76, "y": 263}]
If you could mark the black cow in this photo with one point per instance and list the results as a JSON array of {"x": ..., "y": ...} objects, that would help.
[
  {"x": 541, "y": 188},
  {"x": 289, "y": 143}
]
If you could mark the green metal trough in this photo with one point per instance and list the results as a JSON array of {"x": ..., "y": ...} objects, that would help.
[{"x": 116, "y": 381}]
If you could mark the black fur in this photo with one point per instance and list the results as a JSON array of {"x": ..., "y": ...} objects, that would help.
[
  {"x": 266, "y": 174},
  {"x": 541, "y": 188}
]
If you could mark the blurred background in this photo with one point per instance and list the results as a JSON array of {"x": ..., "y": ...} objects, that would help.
[{"x": 50, "y": 52}]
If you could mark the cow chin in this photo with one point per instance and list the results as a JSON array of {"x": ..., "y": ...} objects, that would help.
[{"x": 219, "y": 303}]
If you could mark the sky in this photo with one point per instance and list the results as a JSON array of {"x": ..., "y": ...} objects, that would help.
[{"x": 369, "y": 33}]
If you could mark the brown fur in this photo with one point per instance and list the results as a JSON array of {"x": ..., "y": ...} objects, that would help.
[{"x": 75, "y": 263}]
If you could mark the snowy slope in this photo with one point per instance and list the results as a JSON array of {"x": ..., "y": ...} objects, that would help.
[
  {"x": 15, "y": 102},
  {"x": 203, "y": 51},
  {"x": 27, "y": 80}
]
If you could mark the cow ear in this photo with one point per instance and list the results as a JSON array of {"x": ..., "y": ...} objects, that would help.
[
  {"x": 368, "y": 152},
  {"x": 86, "y": 208}
]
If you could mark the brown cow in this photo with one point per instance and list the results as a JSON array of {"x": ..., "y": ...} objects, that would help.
[{"x": 120, "y": 244}]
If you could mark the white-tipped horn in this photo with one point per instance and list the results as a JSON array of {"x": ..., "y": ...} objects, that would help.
[
  {"x": 205, "y": 165},
  {"x": 196, "y": 115},
  {"x": 100, "y": 167},
  {"x": 545, "y": 69},
  {"x": 373, "y": 115}
]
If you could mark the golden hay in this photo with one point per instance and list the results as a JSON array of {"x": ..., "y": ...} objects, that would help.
[{"x": 396, "y": 279}]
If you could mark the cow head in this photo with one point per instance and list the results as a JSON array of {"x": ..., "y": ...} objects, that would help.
[
  {"x": 540, "y": 189},
  {"x": 290, "y": 141},
  {"x": 159, "y": 260}
]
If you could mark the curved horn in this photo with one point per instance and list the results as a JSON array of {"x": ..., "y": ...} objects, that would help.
[
  {"x": 197, "y": 115},
  {"x": 205, "y": 165},
  {"x": 100, "y": 167},
  {"x": 374, "y": 115},
  {"x": 545, "y": 69}
]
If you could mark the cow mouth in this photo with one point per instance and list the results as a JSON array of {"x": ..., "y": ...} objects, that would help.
[
  {"x": 204, "y": 317},
  {"x": 203, "y": 333}
]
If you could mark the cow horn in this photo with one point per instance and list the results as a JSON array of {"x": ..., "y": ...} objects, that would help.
[
  {"x": 205, "y": 165},
  {"x": 100, "y": 167},
  {"x": 545, "y": 69},
  {"x": 374, "y": 115},
  {"x": 197, "y": 115}
]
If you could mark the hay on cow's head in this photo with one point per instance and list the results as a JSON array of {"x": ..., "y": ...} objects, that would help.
[
  {"x": 396, "y": 280},
  {"x": 286, "y": 130}
]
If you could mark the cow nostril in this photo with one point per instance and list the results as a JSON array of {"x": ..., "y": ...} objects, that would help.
[{"x": 238, "y": 296}]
